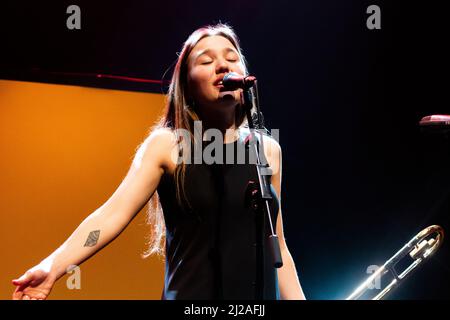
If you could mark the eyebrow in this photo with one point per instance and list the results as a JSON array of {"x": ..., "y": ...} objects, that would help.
[{"x": 227, "y": 49}]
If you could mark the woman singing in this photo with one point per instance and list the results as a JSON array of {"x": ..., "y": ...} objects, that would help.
[{"x": 202, "y": 215}]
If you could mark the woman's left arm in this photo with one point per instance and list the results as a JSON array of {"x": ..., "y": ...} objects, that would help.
[{"x": 288, "y": 281}]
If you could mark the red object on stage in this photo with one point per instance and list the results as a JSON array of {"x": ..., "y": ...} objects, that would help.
[{"x": 437, "y": 119}]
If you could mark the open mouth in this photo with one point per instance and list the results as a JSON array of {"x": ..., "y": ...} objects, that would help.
[
  {"x": 219, "y": 85},
  {"x": 218, "y": 82}
]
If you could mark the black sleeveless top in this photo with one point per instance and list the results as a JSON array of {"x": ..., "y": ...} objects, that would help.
[{"x": 213, "y": 249}]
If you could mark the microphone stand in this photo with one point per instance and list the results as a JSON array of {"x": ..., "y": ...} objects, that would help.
[{"x": 263, "y": 184}]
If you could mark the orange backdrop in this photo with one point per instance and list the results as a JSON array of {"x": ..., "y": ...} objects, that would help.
[{"x": 63, "y": 152}]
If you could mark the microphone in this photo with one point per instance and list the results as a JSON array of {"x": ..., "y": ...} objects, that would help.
[{"x": 234, "y": 81}]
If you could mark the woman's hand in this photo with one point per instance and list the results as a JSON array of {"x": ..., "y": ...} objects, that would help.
[{"x": 35, "y": 284}]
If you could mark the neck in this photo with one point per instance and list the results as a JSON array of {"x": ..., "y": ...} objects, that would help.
[{"x": 223, "y": 121}]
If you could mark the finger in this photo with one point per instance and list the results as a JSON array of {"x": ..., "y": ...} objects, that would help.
[
  {"x": 25, "y": 283},
  {"x": 34, "y": 293},
  {"x": 17, "y": 294},
  {"x": 37, "y": 296},
  {"x": 27, "y": 277},
  {"x": 22, "y": 287},
  {"x": 25, "y": 297}
]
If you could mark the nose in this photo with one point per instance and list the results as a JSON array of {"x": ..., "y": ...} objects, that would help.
[{"x": 222, "y": 66}]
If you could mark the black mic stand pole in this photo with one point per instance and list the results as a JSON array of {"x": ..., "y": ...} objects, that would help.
[{"x": 263, "y": 183}]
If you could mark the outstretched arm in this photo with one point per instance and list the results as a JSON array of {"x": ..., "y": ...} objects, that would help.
[{"x": 104, "y": 224}]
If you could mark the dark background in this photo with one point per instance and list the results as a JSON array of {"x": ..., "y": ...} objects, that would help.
[{"x": 359, "y": 176}]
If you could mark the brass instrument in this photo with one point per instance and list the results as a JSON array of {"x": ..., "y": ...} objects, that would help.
[{"x": 419, "y": 248}]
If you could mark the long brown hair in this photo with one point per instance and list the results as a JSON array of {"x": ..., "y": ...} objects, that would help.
[{"x": 180, "y": 113}]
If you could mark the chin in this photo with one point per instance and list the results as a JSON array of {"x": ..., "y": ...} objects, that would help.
[{"x": 228, "y": 100}]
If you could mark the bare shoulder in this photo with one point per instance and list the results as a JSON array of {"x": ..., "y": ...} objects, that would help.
[
  {"x": 156, "y": 147},
  {"x": 159, "y": 139},
  {"x": 271, "y": 144}
]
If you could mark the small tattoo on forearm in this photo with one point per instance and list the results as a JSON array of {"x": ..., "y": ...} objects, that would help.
[{"x": 92, "y": 238}]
